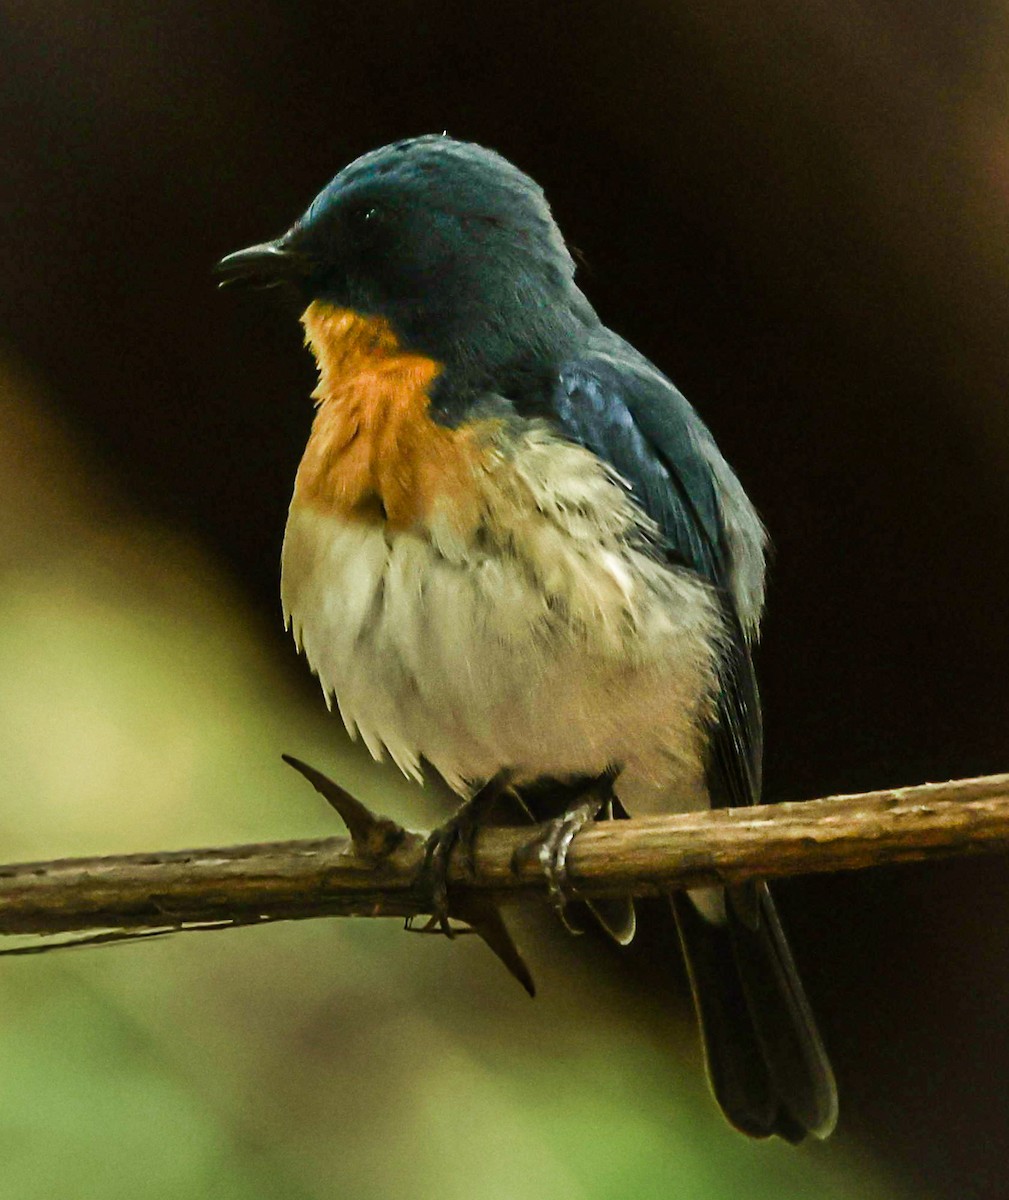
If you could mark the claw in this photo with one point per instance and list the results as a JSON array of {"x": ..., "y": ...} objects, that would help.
[
  {"x": 551, "y": 849},
  {"x": 373, "y": 837},
  {"x": 553, "y": 856},
  {"x": 438, "y": 852},
  {"x": 460, "y": 830}
]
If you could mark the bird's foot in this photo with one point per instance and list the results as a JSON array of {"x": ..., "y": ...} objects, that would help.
[
  {"x": 480, "y": 913},
  {"x": 460, "y": 830},
  {"x": 551, "y": 848}
]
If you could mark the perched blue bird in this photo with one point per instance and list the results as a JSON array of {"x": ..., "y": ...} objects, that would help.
[{"x": 515, "y": 553}]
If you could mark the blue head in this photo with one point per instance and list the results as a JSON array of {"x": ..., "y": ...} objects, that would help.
[{"x": 448, "y": 241}]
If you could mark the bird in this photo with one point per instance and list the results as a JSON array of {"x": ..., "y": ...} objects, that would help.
[{"x": 515, "y": 556}]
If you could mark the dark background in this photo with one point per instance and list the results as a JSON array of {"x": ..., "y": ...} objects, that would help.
[{"x": 799, "y": 210}]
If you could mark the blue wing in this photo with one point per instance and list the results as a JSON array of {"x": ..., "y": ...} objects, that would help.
[
  {"x": 613, "y": 402},
  {"x": 765, "y": 1059}
]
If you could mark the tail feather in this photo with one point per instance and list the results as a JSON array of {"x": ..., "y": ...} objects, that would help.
[{"x": 765, "y": 1059}]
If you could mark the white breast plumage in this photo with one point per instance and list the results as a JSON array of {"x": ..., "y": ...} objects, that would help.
[{"x": 545, "y": 639}]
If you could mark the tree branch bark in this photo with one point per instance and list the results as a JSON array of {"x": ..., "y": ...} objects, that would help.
[{"x": 378, "y": 873}]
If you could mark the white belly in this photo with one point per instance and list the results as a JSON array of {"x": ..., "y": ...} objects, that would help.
[{"x": 553, "y": 649}]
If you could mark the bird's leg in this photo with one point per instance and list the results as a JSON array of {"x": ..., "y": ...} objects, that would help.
[
  {"x": 551, "y": 847},
  {"x": 459, "y": 830}
]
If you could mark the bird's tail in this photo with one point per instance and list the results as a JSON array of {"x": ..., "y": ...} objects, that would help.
[{"x": 766, "y": 1062}]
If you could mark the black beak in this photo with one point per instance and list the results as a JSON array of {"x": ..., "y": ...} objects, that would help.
[{"x": 263, "y": 266}]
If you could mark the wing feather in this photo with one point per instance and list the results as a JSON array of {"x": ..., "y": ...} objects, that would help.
[
  {"x": 766, "y": 1062},
  {"x": 631, "y": 416}
]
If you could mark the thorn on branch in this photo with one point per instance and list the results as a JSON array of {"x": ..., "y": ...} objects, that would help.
[{"x": 373, "y": 837}]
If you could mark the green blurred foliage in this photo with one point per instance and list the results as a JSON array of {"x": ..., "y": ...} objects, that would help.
[{"x": 139, "y": 710}]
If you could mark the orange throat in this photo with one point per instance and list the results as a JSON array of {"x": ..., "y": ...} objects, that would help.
[{"x": 374, "y": 453}]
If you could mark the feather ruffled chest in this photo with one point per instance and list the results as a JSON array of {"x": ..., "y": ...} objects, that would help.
[{"x": 496, "y": 605}]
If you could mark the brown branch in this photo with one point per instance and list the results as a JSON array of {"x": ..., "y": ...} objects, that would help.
[{"x": 329, "y": 877}]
